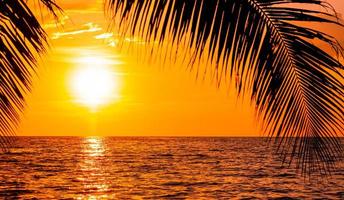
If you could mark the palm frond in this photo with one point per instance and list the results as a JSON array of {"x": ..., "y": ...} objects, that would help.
[
  {"x": 296, "y": 86},
  {"x": 22, "y": 40}
]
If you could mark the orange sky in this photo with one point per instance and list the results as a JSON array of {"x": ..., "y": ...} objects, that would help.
[{"x": 154, "y": 100}]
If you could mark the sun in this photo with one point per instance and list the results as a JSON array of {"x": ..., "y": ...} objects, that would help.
[{"x": 94, "y": 83}]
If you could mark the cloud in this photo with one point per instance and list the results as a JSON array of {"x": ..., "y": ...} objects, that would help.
[
  {"x": 108, "y": 37},
  {"x": 113, "y": 40},
  {"x": 54, "y": 24},
  {"x": 104, "y": 36},
  {"x": 87, "y": 28}
]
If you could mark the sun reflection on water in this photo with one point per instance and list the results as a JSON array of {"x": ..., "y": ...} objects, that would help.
[
  {"x": 94, "y": 175},
  {"x": 94, "y": 146}
]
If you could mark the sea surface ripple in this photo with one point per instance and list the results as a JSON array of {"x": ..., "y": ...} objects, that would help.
[{"x": 154, "y": 168}]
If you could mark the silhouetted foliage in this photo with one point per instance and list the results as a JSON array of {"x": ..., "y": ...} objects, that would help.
[
  {"x": 22, "y": 40},
  {"x": 296, "y": 86}
]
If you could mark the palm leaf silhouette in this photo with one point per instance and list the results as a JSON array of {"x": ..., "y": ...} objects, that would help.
[
  {"x": 22, "y": 39},
  {"x": 296, "y": 86}
]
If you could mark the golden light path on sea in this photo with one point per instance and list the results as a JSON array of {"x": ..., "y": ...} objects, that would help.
[{"x": 94, "y": 176}]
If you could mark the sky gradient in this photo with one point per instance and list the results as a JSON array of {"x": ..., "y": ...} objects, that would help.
[{"x": 154, "y": 98}]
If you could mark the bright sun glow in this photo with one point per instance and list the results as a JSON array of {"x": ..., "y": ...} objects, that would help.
[{"x": 94, "y": 83}]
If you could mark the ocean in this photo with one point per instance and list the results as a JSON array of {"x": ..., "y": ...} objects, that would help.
[{"x": 154, "y": 168}]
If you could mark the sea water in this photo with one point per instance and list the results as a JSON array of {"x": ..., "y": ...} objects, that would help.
[{"x": 154, "y": 168}]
